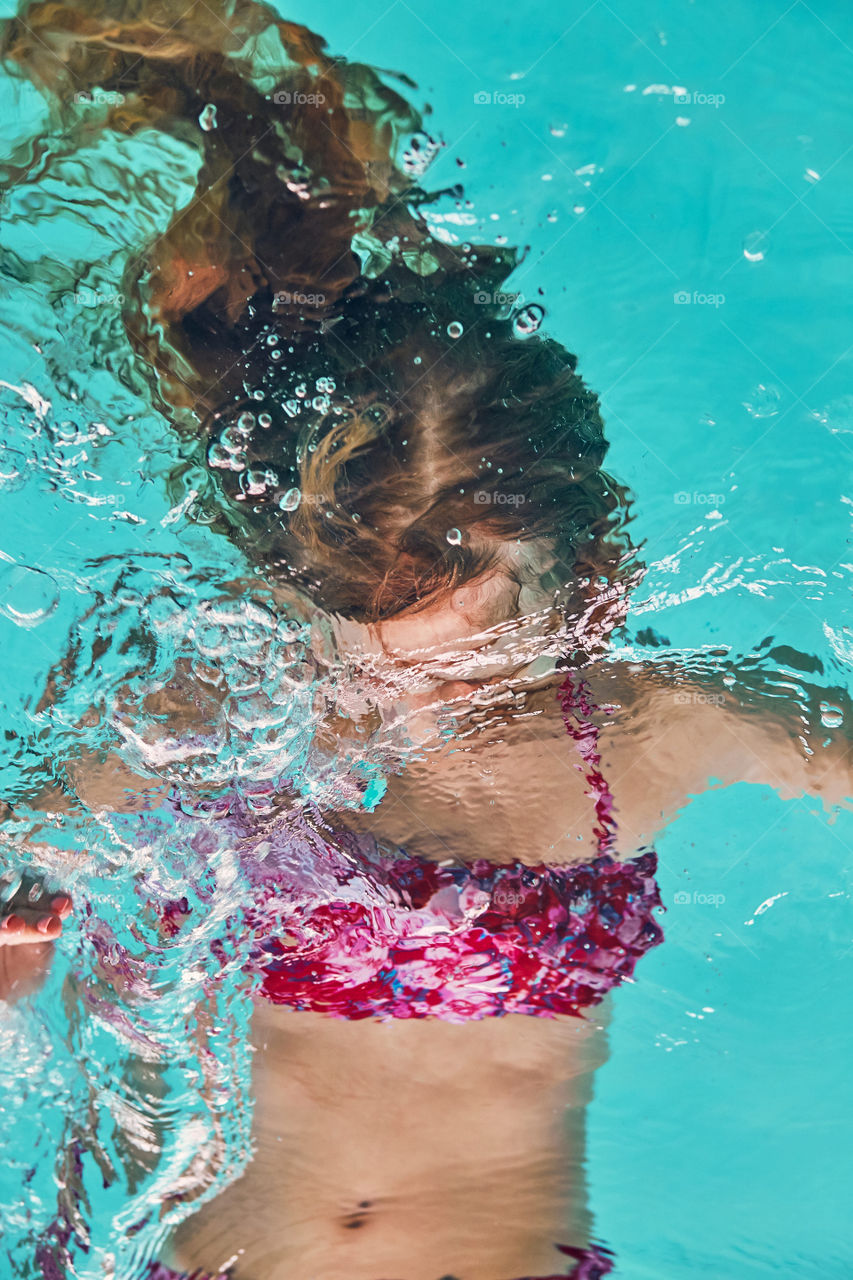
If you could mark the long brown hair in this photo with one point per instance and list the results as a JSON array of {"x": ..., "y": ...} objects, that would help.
[{"x": 373, "y": 415}]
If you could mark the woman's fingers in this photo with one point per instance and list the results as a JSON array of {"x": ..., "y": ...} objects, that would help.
[
  {"x": 16, "y": 932},
  {"x": 30, "y": 922},
  {"x": 27, "y": 921}
]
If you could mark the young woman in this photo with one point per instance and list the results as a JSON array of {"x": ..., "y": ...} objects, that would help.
[{"x": 419, "y": 472}]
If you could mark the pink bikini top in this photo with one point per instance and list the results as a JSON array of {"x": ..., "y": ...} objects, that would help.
[{"x": 401, "y": 937}]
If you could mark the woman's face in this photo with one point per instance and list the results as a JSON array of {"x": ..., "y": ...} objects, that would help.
[{"x": 490, "y": 628}]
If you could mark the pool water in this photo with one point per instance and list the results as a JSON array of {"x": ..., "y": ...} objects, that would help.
[{"x": 682, "y": 183}]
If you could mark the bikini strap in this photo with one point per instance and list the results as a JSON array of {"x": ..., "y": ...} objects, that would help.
[{"x": 578, "y": 707}]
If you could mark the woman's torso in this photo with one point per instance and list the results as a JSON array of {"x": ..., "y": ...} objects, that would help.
[{"x": 428, "y": 1146}]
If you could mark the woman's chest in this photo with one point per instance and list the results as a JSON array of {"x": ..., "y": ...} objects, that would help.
[
  {"x": 526, "y": 789},
  {"x": 515, "y": 791}
]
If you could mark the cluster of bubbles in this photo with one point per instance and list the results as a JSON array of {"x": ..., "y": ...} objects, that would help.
[
  {"x": 216, "y": 694},
  {"x": 58, "y": 447},
  {"x": 238, "y": 440},
  {"x": 228, "y": 452}
]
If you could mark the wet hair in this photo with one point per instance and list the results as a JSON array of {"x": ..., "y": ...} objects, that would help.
[
  {"x": 361, "y": 406},
  {"x": 413, "y": 456}
]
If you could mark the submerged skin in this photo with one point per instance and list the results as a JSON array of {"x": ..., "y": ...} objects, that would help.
[
  {"x": 407, "y": 1149},
  {"x": 425, "y": 1149},
  {"x": 467, "y": 1141},
  {"x": 422, "y": 1149}
]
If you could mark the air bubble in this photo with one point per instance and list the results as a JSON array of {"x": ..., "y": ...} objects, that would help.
[
  {"x": 455, "y": 329},
  {"x": 528, "y": 320},
  {"x": 837, "y": 415},
  {"x": 28, "y": 595},
  {"x": 233, "y": 440},
  {"x": 264, "y": 420},
  {"x": 454, "y": 537},
  {"x": 754, "y": 245},
  {"x": 12, "y": 464},
  {"x": 763, "y": 402},
  {"x": 831, "y": 717},
  {"x": 256, "y": 482},
  {"x": 245, "y": 423},
  {"x": 291, "y": 500},
  {"x": 220, "y": 456}
]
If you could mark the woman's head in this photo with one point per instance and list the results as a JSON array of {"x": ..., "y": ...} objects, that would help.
[{"x": 420, "y": 448}]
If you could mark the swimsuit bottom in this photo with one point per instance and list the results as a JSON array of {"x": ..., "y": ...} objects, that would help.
[{"x": 590, "y": 1264}]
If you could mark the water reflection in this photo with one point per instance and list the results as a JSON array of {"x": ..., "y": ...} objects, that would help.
[{"x": 386, "y": 791}]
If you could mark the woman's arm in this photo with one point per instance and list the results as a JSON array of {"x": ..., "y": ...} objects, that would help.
[
  {"x": 749, "y": 733},
  {"x": 673, "y": 736}
]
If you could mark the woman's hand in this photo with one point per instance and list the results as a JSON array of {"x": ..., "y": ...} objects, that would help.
[{"x": 30, "y": 923}]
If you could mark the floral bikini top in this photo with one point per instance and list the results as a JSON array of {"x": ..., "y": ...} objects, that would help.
[{"x": 402, "y": 937}]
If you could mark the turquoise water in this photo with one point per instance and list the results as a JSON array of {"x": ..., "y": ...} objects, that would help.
[{"x": 719, "y": 1138}]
